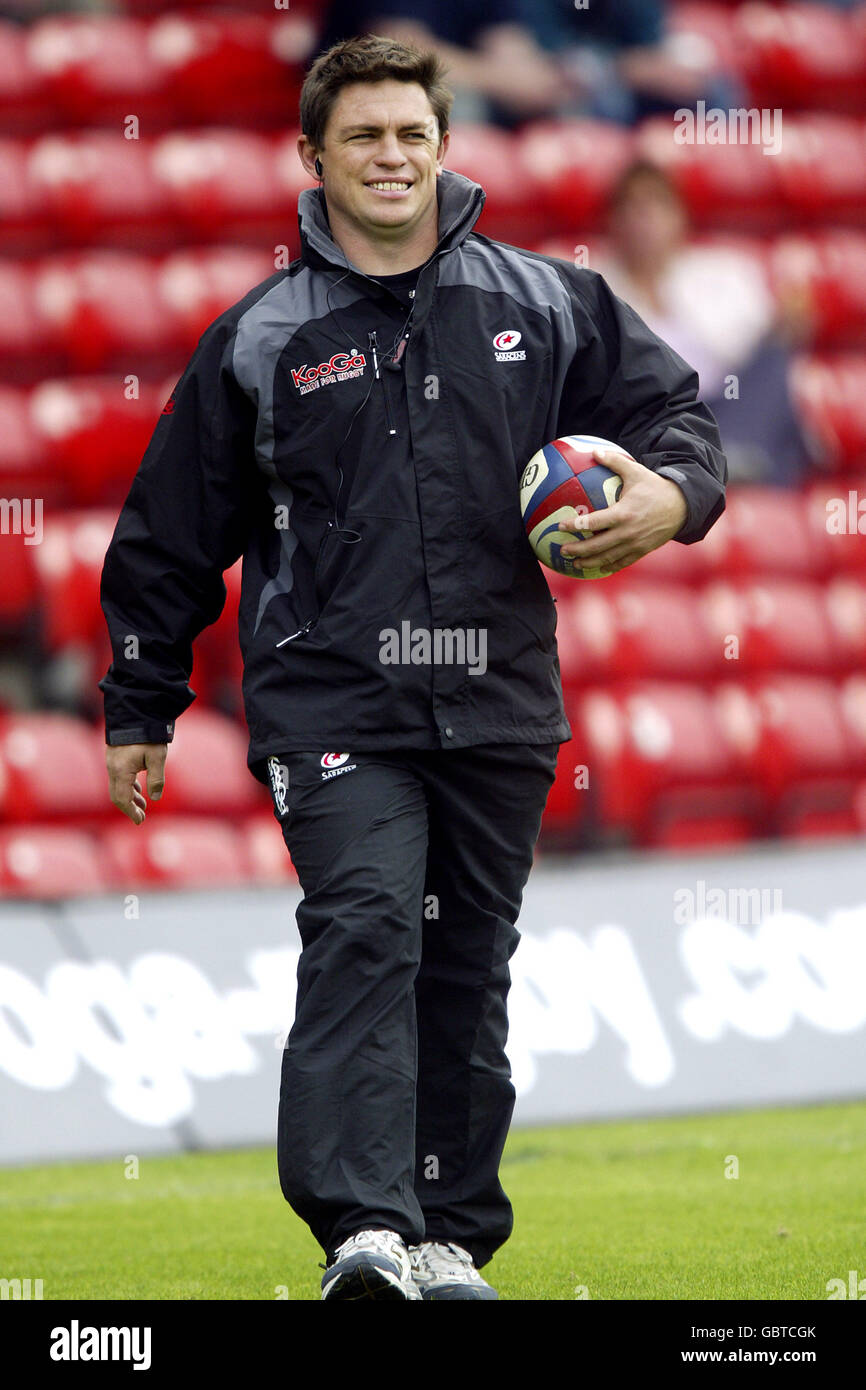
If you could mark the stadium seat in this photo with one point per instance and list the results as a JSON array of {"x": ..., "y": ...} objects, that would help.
[
  {"x": 98, "y": 69},
  {"x": 26, "y": 469},
  {"x": 821, "y": 170},
  {"x": 18, "y": 590},
  {"x": 830, "y": 395},
  {"x": 666, "y": 771},
  {"x": 766, "y": 532},
  {"x": 829, "y": 268},
  {"x": 835, "y": 514},
  {"x": 575, "y": 163},
  {"x": 100, "y": 190},
  {"x": 103, "y": 311},
  {"x": 206, "y": 771},
  {"x": 24, "y": 102},
  {"x": 50, "y": 862},
  {"x": 174, "y": 852},
  {"x": 266, "y": 850},
  {"x": 52, "y": 767},
  {"x": 219, "y": 184},
  {"x": 785, "y": 627},
  {"x": 800, "y": 55},
  {"x": 68, "y": 567},
  {"x": 95, "y": 432},
  {"x": 217, "y": 670},
  {"x": 245, "y": 67},
  {"x": 28, "y": 346},
  {"x": 25, "y": 227},
  {"x": 845, "y": 602},
  {"x": 201, "y": 283},
  {"x": 514, "y": 211}
]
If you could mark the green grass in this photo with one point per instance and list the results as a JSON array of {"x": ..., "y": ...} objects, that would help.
[{"x": 627, "y": 1210}]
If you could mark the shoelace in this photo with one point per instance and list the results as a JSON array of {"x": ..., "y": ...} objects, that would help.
[
  {"x": 446, "y": 1261},
  {"x": 383, "y": 1241}
]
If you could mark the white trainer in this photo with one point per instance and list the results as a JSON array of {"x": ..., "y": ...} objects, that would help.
[
  {"x": 370, "y": 1264},
  {"x": 447, "y": 1271}
]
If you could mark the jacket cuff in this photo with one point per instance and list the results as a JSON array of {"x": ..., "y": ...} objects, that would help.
[{"x": 142, "y": 733}]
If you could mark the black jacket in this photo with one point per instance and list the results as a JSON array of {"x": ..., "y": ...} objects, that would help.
[{"x": 364, "y": 503}]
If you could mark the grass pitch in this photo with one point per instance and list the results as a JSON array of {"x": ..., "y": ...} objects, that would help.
[{"x": 637, "y": 1210}]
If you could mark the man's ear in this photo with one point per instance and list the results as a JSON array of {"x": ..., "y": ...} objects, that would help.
[
  {"x": 308, "y": 154},
  {"x": 442, "y": 151}
]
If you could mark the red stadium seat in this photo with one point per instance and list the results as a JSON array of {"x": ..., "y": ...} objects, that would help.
[
  {"x": 52, "y": 767},
  {"x": 24, "y": 103},
  {"x": 68, "y": 565},
  {"x": 661, "y": 632},
  {"x": 821, "y": 169},
  {"x": 217, "y": 663},
  {"x": 794, "y": 55},
  {"x": 26, "y": 468},
  {"x": 785, "y": 627},
  {"x": 767, "y": 532},
  {"x": 100, "y": 189},
  {"x": 831, "y": 398},
  {"x": 514, "y": 211},
  {"x": 174, "y": 852},
  {"x": 232, "y": 66},
  {"x": 103, "y": 311},
  {"x": 27, "y": 348},
  {"x": 99, "y": 69},
  {"x": 845, "y": 602},
  {"x": 829, "y": 270},
  {"x": 50, "y": 862},
  {"x": 220, "y": 185},
  {"x": 266, "y": 850},
  {"x": 201, "y": 283},
  {"x": 24, "y": 215},
  {"x": 836, "y": 517},
  {"x": 95, "y": 433},
  {"x": 576, "y": 164},
  {"x": 665, "y": 770},
  {"x": 18, "y": 590},
  {"x": 206, "y": 770}
]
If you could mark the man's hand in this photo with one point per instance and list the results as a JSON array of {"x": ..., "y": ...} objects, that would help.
[
  {"x": 651, "y": 510},
  {"x": 123, "y": 762}
]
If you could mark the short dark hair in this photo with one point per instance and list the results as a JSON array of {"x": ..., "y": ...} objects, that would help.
[
  {"x": 643, "y": 171},
  {"x": 370, "y": 58}
]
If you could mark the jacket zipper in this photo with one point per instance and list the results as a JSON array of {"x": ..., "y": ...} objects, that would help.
[
  {"x": 301, "y": 632},
  {"x": 374, "y": 348}
]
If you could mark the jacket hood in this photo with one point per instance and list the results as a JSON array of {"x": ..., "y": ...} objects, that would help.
[{"x": 460, "y": 204}]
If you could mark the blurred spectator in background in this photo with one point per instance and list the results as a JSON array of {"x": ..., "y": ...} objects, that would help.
[
  {"x": 513, "y": 60},
  {"x": 713, "y": 305},
  {"x": 620, "y": 62},
  {"x": 498, "y": 69}
]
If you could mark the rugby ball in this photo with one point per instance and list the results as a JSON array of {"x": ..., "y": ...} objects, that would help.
[{"x": 564, "y": 481}]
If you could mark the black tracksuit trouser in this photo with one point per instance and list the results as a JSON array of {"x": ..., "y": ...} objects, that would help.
[{"x": 395, "y": 1096}]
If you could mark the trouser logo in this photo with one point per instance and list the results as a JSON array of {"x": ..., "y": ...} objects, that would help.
[{"x": 279, "y": 775}]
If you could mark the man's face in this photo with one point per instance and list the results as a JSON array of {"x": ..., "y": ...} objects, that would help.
[{"x": 381, "y": 156}]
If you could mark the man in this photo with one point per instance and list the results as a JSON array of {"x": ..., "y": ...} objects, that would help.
[{"x": 352, "y": 428}]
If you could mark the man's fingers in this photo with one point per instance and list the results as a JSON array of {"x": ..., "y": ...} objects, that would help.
[{"x": 155, "y": 764}]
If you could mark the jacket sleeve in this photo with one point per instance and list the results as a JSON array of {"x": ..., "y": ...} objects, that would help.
[
  {"x": 184, "y": 522},
  {"x": 625, "y": 384}
]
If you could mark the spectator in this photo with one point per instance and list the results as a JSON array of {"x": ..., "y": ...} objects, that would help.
[
  {"x": 620, "y": 62},
  {"x": 498, "y": 70},
  {"x": 715, "y": 308}
]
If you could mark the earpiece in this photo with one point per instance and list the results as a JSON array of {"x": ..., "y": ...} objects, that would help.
[{"x": 318, "y": 168}]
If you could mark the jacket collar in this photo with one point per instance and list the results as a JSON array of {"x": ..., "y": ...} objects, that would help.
[{"x": 460, "y": 205}]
